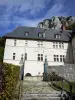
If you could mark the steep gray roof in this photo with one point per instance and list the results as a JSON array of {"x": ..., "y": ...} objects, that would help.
[{"x": 19, "y": 32}]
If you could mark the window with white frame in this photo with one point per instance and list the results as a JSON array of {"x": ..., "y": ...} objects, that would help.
[
  {"x": 56, "y": 58},
  {"x": 15, "y": 42},
  {"x": 57, "y": 35},
  {"x": 62, "y": 58},
  {"x": 26, "y": 33},
  {"x": 59, "y": 58},
  {"x": 14, "y": 54},
  {"x": 40, "y": 57},
  {"x": 62, "y": 45},
  {"x": 22, "y": 57},
  {"x": 40, "y": 35},
  {"x": 55, "y": 44},
  {"x": 58, "y": 45},
  {"x": 26, "y": 43},
  {"x": 40, "y": 44}
]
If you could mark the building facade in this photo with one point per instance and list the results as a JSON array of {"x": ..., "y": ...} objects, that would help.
[{"x": 33, "y": 44}]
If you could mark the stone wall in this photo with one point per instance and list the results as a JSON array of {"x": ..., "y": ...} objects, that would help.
[{"x": 67, "y": 71}]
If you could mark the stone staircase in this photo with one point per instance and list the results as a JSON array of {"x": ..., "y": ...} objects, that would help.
[
  {"x": 32, "y": 89},
  {"x": 38, "y": 96}
]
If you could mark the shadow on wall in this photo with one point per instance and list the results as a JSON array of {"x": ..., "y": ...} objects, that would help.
[{"x": 69, "y": 55}]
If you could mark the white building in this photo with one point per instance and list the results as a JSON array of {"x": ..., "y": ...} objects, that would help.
[{"x": 36, "y": 43}]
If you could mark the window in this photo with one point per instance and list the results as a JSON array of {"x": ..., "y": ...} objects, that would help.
[
  {"x": 44, "y": 35},
  {"x": 58, "y": 58},
  {"x": 53, "y": 44},
  {"x": 40, "y": 35},
  {"x": 62, "y": 45},
  {"x": 26, "y": 33},
  {"x": 26, "y": 43},
  {"x": 40, "y": 44},
  {"x": 25, "y": 56},
  {"x": 62, "y": 58},
  {"x": 22, "y": 57},
  {"x": 14, "y": 42},
  {"x": 14, "y": 56},
  {"x": 40, "y": 57},
  {"x": 57, "y": 35},
  {"x": 58, "y": 45},
  {"x": 54, "y": 57}
]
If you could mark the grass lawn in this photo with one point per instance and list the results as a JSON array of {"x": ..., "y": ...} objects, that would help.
[{"x": 66, "y": 85}]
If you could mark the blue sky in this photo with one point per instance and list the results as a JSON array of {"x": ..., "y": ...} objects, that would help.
[{"x": 15, "y": 13}]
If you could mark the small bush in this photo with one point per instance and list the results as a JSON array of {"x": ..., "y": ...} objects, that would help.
[
  {"x": 11, "y": 77},
  {"x": 54, "y": 77}
]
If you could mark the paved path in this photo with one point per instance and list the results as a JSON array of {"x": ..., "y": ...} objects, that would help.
[{"x": 37, "y": 90}]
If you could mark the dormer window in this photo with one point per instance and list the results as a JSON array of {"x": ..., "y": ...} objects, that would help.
[
  {"x": 44, "y": 35},
  {"x": 26, "y": 33},
  {"x": 57, "y": 36},
  {"x": 40, "y": 35}
]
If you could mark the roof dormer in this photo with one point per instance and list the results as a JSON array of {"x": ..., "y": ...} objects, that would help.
[
  {"x": 57, "y": 36},
  {"x": 40, "y": 35},
  {"x": 26, "y": 33}
]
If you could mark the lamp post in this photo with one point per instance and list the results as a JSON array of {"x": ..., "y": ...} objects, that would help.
[
  {"x": 22, "y": 62},
  {"x": 45, "y": 74}
]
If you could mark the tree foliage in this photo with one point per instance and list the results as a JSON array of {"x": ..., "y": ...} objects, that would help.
[
  {"x": 71, "y": 27},
  {"x": 2, "y": 44}
]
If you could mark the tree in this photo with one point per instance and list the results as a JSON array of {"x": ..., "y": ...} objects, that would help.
[
  {"x": 2, "y": 44},
  {"x": 1, "y": 53},
  {"x": 71, "y": 27}
]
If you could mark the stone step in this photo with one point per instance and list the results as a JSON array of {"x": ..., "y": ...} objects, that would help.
[
  {"x": 36, "y": 87},
  {"x": 33, "y": 78},
  {"x": 41, "y": 97}
]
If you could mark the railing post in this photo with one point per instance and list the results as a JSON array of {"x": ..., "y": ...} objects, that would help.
[
  {"x": 62, "y": 85},
  {"x": 70, "y": 92}
]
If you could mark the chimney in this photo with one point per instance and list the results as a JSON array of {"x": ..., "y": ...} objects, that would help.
[{"x": 63, "y": 27}]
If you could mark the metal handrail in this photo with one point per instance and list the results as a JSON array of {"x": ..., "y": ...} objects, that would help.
[{"x": 62, "y": 80}]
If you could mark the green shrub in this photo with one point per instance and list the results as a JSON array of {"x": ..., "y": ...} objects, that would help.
[
  {"x": 11, "y": 73},
  {"x": 54, "y": 77}
]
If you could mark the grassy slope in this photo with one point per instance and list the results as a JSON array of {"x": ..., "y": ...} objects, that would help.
[{"x": 66, "y": 85}]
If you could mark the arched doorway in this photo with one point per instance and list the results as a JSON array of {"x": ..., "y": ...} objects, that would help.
[{"x": 28, "y": 74}]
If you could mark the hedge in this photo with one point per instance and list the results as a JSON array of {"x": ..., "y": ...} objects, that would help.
[{"x": 10, "y": 79}]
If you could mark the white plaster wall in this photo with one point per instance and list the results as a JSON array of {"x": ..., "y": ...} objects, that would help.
[{"x": 32, "y": 65}]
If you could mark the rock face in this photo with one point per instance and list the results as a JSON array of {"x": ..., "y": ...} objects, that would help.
[{"x": 57, "y": 22}]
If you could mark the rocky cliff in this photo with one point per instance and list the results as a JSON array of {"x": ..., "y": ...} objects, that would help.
[{"x": 57, "y": 22}]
